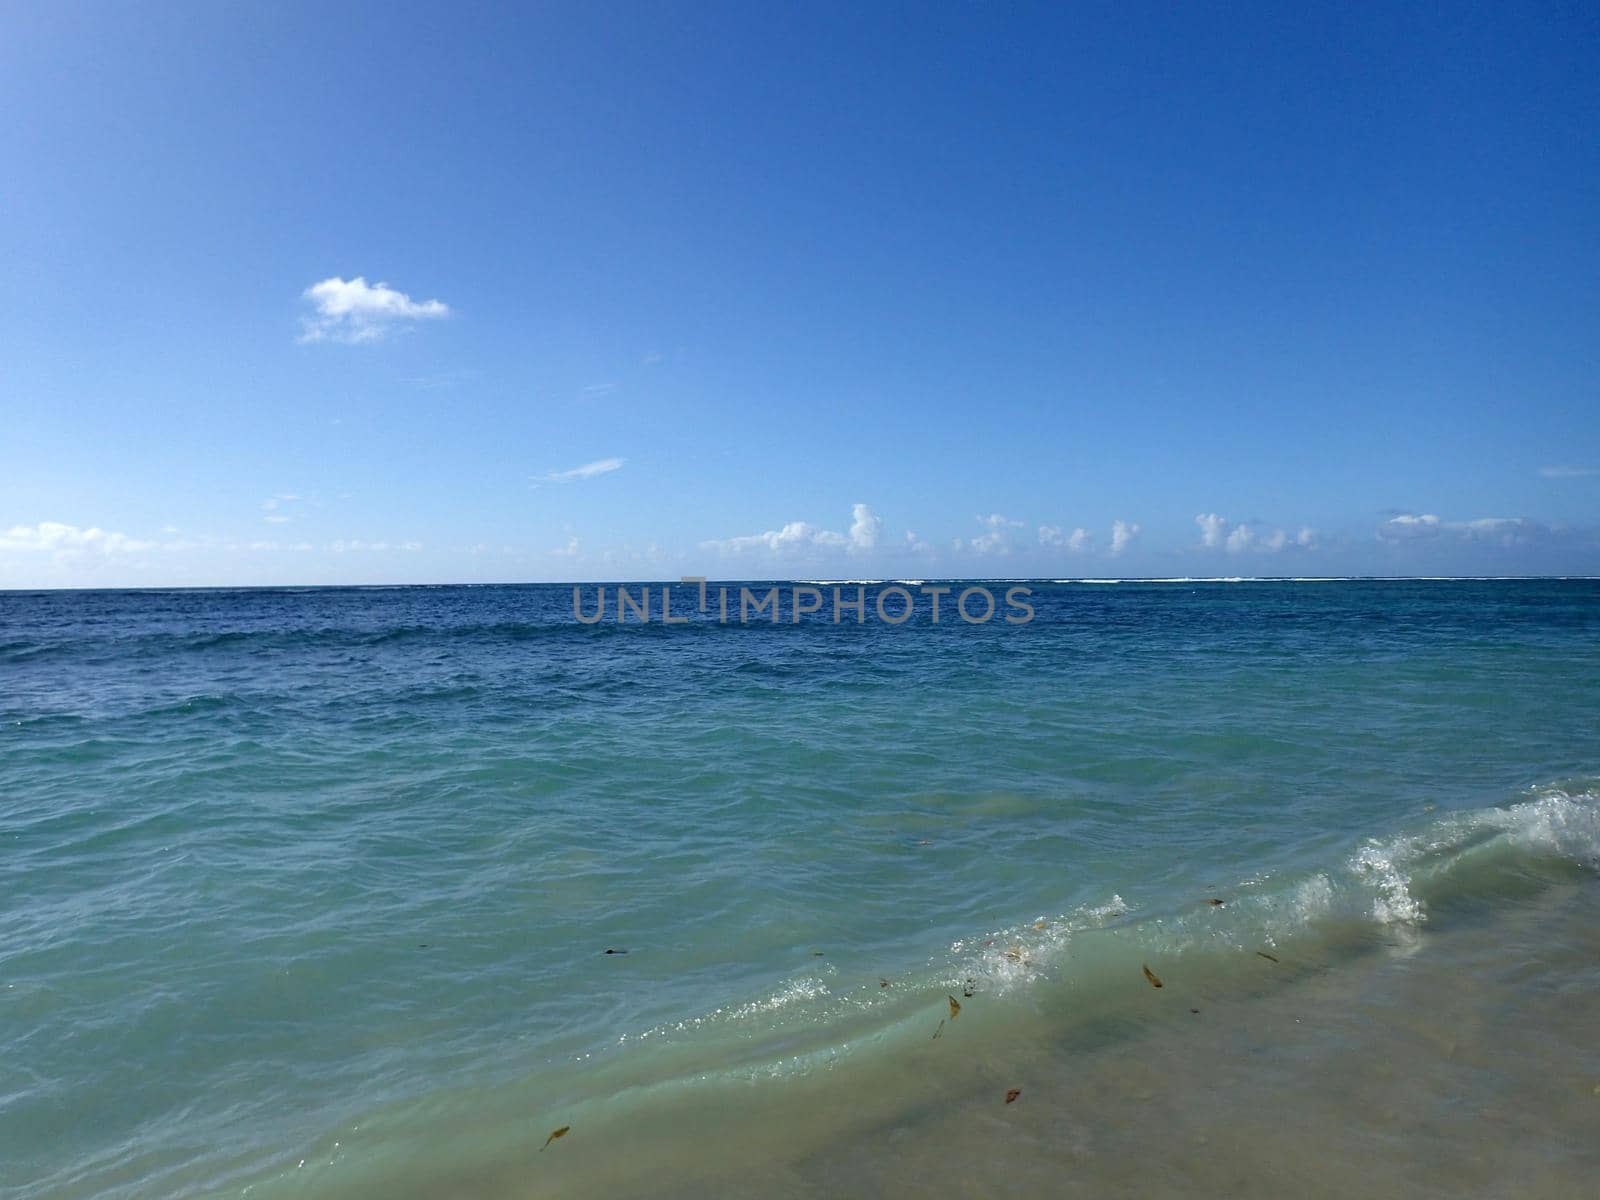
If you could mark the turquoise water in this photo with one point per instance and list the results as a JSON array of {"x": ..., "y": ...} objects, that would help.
[{"x": 309, "y": 892}]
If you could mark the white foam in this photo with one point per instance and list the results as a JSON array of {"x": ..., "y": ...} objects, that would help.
[
  {"x": 1380, "y": 865},
  {"x": 1558, "y": 822}
]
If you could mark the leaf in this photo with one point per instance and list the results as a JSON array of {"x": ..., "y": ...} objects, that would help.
[
  {"x": 883, "y": 983},
  {"x": 562, "y": 1132},
  {"x": 1215, "y": 903},
  {"x": 1268, "y": 957},
  {"x": 1155, "y": 980},
  {"x": 1014, "y": 953},
  {"x": 1038, "y": 924},
  {"x": 938, "y": 1031},
  {"x": 611, "y": 951},
  {"x": 1011, "y": 1096},
  {"x": 955, "y": 1007}
]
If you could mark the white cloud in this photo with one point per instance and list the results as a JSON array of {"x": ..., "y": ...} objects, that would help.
[
  {"x": 792, "y": 536},
  {"x": 1217, "y": 532},
  {"x": 1409, "y": 525},
  {"x": 1122, "y": 535},
  {"x": 998, "y": 539},
  {"x": 1568, "y": 472},
  {"x": 864, "y": 527},
  {"x": 1506, "y": 531},
  {"x": 600, "y": 466},
  {"x": 1053, "y": 535},
  {"x": 571, "y": 550},
  {"x": 355, "y": 311},
  {"x": 799, "y": 536},
  {"x": 56, "y": 537},
  {"x": 993, "y": 542}
]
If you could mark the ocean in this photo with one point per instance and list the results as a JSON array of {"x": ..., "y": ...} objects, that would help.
[{"x": 367, "y": 892}]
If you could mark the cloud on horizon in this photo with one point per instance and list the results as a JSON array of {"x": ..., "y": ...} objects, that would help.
[
  {"x": 1216, "y": 532},
  {"x": 58, "y": 537},
  {"x": 799, "y": 536},
  {"x": 1503, "y": 531}
]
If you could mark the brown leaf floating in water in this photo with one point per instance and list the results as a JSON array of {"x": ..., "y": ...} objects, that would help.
[
  {"x": 1268, "y": 957},
  {"x": 955, "y": 1007},
  {"x": 1038, "y": 924},
  {"x": 1152, "y": 977},
  {"x": 1012, "y": 1095},
  {"x": 883, "y": 983},
  {"x": 562, "y": 1132},
  {"x": 1215, "y": 903}
]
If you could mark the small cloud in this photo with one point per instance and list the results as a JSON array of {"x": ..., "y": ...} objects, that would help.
[
  {"x": 654, "y": 359},
  {"x": 864, "y": 527},
  {"x": 1568, "y": 472},
  {"x": 1213, "y": 529},
  {"x": 998, "y": 539},
  {"x": 1076, "y": 541},
  {"x": 596, "y": 390},
  {"x": 600, "y": 466},
  {"x": 351, "y": 310},
  {"x": 275, "y": 519},
  {"x": 571, "y": 550},
  {"x": 1408, "y": 526},
  {"x": 1122, "y": 535}
]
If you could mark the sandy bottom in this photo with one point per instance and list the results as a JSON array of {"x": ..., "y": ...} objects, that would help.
[{"x": 1459, "y": 1059}]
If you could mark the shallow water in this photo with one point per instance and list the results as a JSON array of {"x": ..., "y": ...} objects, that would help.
[{"x": 308, "y": 893}]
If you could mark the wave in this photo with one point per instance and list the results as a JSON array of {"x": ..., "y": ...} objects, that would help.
[
  {"x": 1389, "y": 885},
  {"x": 851, "y": 1045}
]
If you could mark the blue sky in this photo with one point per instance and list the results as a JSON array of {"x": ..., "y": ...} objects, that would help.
[{"x": 385, "y": 293}]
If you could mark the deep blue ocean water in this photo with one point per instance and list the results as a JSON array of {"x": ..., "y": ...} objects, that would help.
[{"x": 310, "y": 891}]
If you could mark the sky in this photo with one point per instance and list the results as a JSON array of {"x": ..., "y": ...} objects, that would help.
[{"x": 389, "y": 293}]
